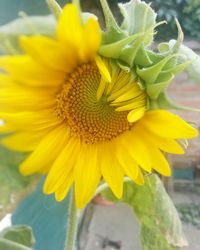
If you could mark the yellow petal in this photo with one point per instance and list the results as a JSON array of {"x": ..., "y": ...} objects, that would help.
[
  {"x": 6, "y": 80},
  {"x": 25, "y": 70},
  {"x": 61, "y": 175},
  {"x": 166, "y": 144},
  {"x": 101, "y": 88},
  {"x": 31, "y": 120},
  {"x": 47, "y": 52},
  {"x": 16, "y": 98},
  {"x": 103, "y": 69},
  {"x": 6, "y": 128},
  {"x": 46, "y": 152},
  {"x": 136, "y": 114},
  {"x": 24, "y": 141},
  {"x": 166, "y": 124},
  {"x": 132, "y": 92},
  {"x": 87, "y": 174},
  {"x": 69, "y": 30},
  {"x": 134, "y": 144},
  {"x": 129, "y": 165},
  {"x": 63, "y": 190},
  {"x": 140, "y": 178},
  {"x": 111, "y": 169},
  {"x": 62, "y": 167},
  {"x": 91, "y": 40},
  {"x": 83, "y": 40},
  {"x": 159, "y": 162},
  {"x": 122, "y": 90}
]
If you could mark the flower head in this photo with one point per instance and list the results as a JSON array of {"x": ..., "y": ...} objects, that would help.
[{"x": 81, "y": 115}]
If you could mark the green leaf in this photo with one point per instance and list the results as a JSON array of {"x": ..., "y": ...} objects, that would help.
[
  {"x": 113, "y": 32},
  {"x": 138, "y": 17},
  {"x": 164, "y": 102},
  {"x": 114, "y": 50},
  {"x": 19, "y": 234},
  {"x": 150, "y": 74},
  {"x": 54, "y": 7},
  {"x": 155, "y": 89},
  {"x": 10, "y": 245},
  {"x": 12, "y": 183},
  {"x": 194, "y": 68},
  {"x": 160, "y": 225},
  {"x": 130, "y": 52},
  {"x": 33, "y": 25},
  {"x": 143, "y": 58}
]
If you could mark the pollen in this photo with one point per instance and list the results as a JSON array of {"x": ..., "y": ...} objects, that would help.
[{"x": 90, "y": 118}]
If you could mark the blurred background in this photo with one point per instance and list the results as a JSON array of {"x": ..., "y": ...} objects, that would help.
[
  {"x": 183, "y": 186},
  {"x": 187, "y": 12}
]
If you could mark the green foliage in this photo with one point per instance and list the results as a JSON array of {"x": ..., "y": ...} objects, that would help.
[
  {"x": 190, "y": 214},
  {"x": 190, "y": 55},
  {"x": 192, "y": 5},
  {"x": 12, "y": 183},
  {"x": 16, "y": 238},
  {"x": 160, "y": 225},
  {"x": 191, "y": 22},
  {"x": 187, "y": 12},
  {"x": 19, "y": 234}
]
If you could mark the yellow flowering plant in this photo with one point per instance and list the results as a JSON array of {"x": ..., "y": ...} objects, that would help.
[{"x": 89, "y": 105}]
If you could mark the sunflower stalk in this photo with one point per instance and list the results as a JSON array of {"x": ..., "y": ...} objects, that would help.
[
  {"x": 77, "y": 4},
  {"x": 72, "y": 227},
  {"x": 54, "y": 7}
]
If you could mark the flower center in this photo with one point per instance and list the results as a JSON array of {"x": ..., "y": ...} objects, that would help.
[{"x": 92, "y": 119}]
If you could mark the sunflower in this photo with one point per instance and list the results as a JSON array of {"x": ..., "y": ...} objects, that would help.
[{"x": 81, "y": 116}]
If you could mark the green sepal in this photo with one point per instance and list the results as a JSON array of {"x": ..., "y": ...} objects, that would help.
[
  {"x": 128, "y": 40},
  {"x": 155, "y": 57},
  {"x": 169, "y": 48},
  {"x": 142, "y": 58},
  {"x": 164, "y": 48},
  {"x": 114, "y": 50},
  {"x": 113, "y": 32},
  {"x": 154, "y": 90},
  {"x": 164, "y": 102},
  {"x": 150, "y": 74},
  {"x": 138, "y": 17},
  {"x": 177, "y": 45},
  {"x": 128, "y": 44},
  {"x": 194, "y": 68},
  {"x": 164, "y": 79},
  {"x": 129, "y": 53},
  {"x": 178, "y": 68}
]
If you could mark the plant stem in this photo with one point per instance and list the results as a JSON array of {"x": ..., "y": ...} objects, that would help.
[
  {"x": 72, "y": 226},
  {"x": 77, "y": 3},
  {"x": 54, "y": 7}
]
